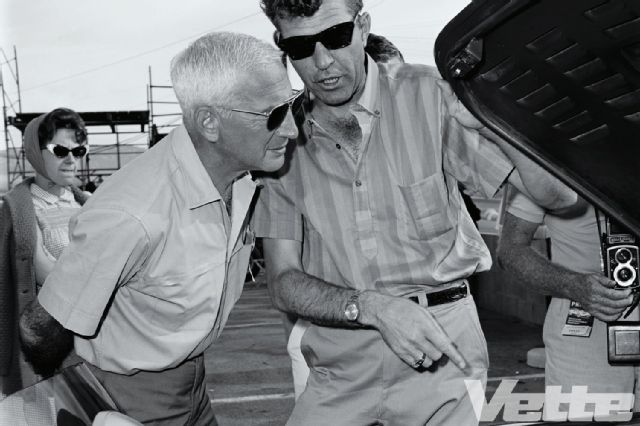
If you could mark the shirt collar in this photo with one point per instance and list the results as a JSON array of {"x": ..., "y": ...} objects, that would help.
[
  {"x": 198, "y": 187},
  {"x": 49, "y": 198},
  {"x": 369, "y": 100}
]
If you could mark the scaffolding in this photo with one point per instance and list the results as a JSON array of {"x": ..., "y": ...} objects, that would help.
[
  {"x": 115, "y": 136},
  {"x": 164, "y": 112},
  {"x": 12, "y": 149}
]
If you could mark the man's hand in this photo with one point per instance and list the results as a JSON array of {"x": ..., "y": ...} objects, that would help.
[
  {"x": 594, "y": 291},
  {"x": 44, "y": 341},
  {"x": 408, "y": 329},
  {"x": 597, "y": 296}
]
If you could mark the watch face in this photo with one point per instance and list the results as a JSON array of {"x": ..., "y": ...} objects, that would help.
[{"x": 351, "y": 311}]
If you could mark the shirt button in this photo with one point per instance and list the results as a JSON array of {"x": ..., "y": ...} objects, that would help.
[
  {"x": 377, "y": 112},
  {"x": 338, "y": 146},
  {"x": 358, "y": 183}
]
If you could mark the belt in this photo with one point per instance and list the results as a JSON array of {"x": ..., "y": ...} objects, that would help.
[{"x": 445, "y": 296}]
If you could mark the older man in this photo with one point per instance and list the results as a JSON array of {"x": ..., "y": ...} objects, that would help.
[
  {"x": 158, "y": 257},
  {"x": 367, "y": 234}
]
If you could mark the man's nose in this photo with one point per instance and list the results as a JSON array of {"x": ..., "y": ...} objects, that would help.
[
  {"x": 288, "y": 128},
  {"x": 322, "y": 57}
]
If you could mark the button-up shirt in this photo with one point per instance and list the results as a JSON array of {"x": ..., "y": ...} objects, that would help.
[
  {"x": 394, "y": 220},
  {"x": 53, "y": 213},
  {"x": 154, "y": 264}
]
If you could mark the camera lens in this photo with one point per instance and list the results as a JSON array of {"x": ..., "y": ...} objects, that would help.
[
  {"x": 623, "y": 255},
  {"x": 624, "y": 276}
]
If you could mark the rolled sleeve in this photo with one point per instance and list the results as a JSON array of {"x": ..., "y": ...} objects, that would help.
[
  {"x": 522, "y": 207},
  {"x": 472, "y": 159},
  {"x": 275, "y": 214},
  {"x": 107, "y": 247}
]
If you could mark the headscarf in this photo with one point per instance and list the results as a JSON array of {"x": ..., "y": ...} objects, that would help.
[{"x": 31, "y": 144}]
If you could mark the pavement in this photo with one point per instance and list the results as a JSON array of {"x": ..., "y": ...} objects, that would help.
[{"x": 248, "y": 369}]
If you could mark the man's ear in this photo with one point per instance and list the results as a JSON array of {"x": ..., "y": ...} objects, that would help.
[
  {"x": 208, "y": 123},
  {"x": 365, "y": 26}
]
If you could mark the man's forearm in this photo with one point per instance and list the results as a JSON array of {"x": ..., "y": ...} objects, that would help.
[
  {"x": 44, "y": 341},
  {"x": 535, "y": 271},
  {"x": 318, "y": 301}
]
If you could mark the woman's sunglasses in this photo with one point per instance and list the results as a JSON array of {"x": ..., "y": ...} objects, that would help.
[
  {"x": 276, "y": 116},
  {"x": 61, "y": 151},
  {"x": 336, "y": 37}
]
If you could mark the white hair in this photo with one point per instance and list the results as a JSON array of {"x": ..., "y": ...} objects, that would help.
[{"x": 208, "y": 70}]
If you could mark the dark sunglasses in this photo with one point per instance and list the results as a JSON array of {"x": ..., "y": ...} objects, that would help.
[
  {"x": 61, "y": 151},
  {"x": 336, "y": 37},
  {"x": 276, "y": 116}
]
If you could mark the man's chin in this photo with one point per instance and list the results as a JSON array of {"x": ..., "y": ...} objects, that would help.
[
  {"x": 273, "y": 165},
  {"x": 335, "y": 98}
]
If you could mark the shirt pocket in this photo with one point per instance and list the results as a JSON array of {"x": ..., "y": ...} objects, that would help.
[
  {"x": 426, "y": 204},
  {"x": 181, "y": 302}
]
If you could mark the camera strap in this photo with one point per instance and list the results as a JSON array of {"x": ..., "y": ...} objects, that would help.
[{"x": 601, "y": 238}]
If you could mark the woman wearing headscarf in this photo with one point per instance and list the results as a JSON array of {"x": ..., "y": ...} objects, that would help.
[{"x": 34, "y": 228}]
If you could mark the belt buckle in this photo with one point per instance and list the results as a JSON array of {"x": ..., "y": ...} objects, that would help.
[
  {"x": 458, "y": 296},
  {"x": 460, "y": 292}
]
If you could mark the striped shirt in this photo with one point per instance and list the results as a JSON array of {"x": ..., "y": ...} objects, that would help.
[
  {"x": 394, "y": 221},
  {"x": 53, "y": 214}
]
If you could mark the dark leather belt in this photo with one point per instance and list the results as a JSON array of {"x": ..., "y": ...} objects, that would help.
[{"x": 445, "y": 296}]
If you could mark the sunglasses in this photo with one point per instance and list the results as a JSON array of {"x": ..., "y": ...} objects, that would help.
[
  {"x": 276, "y": 116},
  {"x": 61, "y": 151},
  {"x": 336, "y": 37}
]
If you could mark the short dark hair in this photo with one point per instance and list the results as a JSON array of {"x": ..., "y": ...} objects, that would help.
[
  {"x": 283, "y": 56},
  {"x": 381, "y": 49},
  {"x": 61, "y": 118},
  {"x": 285, "y": 9}
]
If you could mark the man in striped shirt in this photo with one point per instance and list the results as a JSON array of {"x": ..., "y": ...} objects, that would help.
[{"x": 365, "y": 231}]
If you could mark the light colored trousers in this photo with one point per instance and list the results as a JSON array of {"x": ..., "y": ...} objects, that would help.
[
  {"x": 299, "y": 367},
  {"x": 582, "y": 361},
  {"x": 355, "y": 378}
]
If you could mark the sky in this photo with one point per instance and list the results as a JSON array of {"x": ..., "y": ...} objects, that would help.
[{"x": 92, "y": 55}]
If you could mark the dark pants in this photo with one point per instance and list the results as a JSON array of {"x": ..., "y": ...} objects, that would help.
[{"x": 176, "y": 396}]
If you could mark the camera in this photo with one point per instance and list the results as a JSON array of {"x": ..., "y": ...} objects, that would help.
[{"x": 620, "y": 253}]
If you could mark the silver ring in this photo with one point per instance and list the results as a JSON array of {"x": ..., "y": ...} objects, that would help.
[{"x": 419, "y": 362}]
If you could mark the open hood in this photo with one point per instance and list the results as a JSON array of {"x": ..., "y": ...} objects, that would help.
[{"x": 560, "y": 80}]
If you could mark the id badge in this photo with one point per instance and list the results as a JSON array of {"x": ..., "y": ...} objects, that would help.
[{"x": 579, "y": 322}]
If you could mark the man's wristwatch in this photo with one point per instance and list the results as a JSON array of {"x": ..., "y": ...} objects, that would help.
[{"x": 352, "y": 309}]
